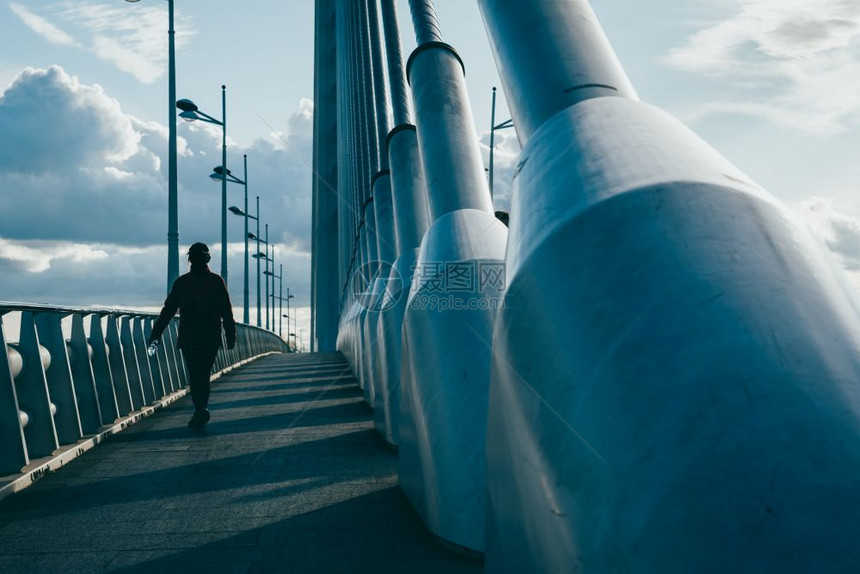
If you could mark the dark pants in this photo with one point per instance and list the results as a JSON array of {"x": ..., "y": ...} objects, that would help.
[{"x": 199, "y": 361}]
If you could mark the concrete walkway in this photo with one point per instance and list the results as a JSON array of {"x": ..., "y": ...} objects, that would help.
[{"x": 289, "y": 476}]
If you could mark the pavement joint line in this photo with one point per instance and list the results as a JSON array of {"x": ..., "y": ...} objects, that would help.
[
  {"x": 292, "y": 425},
  {"x": 72, "y": 451}
]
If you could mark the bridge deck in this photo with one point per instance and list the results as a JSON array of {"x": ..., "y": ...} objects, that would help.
[{"x": 289, "y": 476}]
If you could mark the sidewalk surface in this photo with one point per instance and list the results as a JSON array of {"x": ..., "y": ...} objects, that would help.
[{"x": 288, "y": 476}]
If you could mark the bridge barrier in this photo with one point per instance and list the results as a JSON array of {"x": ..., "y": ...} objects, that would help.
[{"x": 57, "y": 391}]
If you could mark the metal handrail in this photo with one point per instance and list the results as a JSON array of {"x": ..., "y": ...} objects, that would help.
[{"x": 56, "y": 392}]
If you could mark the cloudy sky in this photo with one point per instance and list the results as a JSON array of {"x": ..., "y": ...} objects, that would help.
[{"x": 772, "y": 84}]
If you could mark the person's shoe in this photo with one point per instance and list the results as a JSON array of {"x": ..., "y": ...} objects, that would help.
[{"x": 199, "y": 419}]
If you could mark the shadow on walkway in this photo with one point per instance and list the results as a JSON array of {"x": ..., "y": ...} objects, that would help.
[{"x": 289, "y": 476}]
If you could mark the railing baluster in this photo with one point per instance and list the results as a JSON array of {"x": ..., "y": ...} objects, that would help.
[
  {"x": 83, "y": 377},
  {"x": 58, "y": 376},
  {"x": 13, "y": 448},
  {"x": 54, "y": 392},
  {"x": 160, "y": 375},
  {"x": 174, "y": 358},
  {"x": 102, "y": 371},
  {"x": 117, "y": 367},
  {"x": 132, "y": 369},
  {"x": 221, "y": 358},
  {"x": 33, "y": 396},
  {"x": 143, "y": 363}
]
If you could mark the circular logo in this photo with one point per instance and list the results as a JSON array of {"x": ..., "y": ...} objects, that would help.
[{"x": 376, "y": 285}]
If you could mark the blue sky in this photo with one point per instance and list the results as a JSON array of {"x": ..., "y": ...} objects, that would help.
[{"x": 772, "y": 84}]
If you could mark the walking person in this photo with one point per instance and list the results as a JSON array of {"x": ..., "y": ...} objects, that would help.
[{"x": 203, "y": 303}]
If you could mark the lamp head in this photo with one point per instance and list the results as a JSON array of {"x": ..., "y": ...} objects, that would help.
[
  {"x": 235, "y": 210},
  {"x": 185, "y": 105}
]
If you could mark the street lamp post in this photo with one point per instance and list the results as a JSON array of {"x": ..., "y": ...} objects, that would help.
[
  {"x": 172, "y": 194},
  {"x": 281, "y": 301},
  {"x": 493, "y": 128},
  {"x": 191, "y": 112},
  {"x": 245, "y": 292},
  {"x": 266, "y": 257},
  {"x": 259, "y": 312},
  {"x": 288, "y": 308},
  {"x": 269, "y": 258},
  {"x": 278, "y": 297},
  {"x": 258, "y": 255},
  {"x": 236, "y": 211}
]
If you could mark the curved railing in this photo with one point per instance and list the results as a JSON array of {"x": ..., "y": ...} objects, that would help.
[{"x": 77, "y": 375}]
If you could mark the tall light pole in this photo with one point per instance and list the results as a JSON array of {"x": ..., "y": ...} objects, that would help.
[
  {"x": 288, "y": 307},
  {"x": 190, "y": 112},
  {"x": 493, "y": 128},
  {"x": 267, "y": 275},
  {"x": 281, "y": 302},
  {"x": 244, "y": 213},
  {"x": 260, "y": 255},
  {"x": 265, "y": 256},
  {"x": 278, "y": 297},
  {"x": 245, "y": 293},
  {"x": 259, "y": 312},
  {"x": 172, "y": 194},
  {"x": 256, "y": 256}
]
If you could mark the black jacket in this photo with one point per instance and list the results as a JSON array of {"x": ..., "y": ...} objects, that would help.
[{"x": 203, "y": 303}]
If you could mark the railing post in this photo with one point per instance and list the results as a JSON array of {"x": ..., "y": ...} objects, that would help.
[
  {"x": 149, "y": 391},
  {"x": 220, "y": 361},
  {"x": 58, "y": 376},
  {"x": 102, "y": 371},
  {"x": 160, "y": 375},
  {"x": 117, "y": 366},
  {"x": 173, "y": 357},
  {"x": 132, "y": 369},
  {"x": 13, "y": 447},
  {"x": 33, "y": 396},
  {"x": 180, "y": 362},
  {"x": 83, "y": 377}
]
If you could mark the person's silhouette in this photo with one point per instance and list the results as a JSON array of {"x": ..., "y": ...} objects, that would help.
[{"x": 203, "y": 303}]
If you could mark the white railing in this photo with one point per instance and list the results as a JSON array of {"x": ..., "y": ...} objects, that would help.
[{"x": 76, "y": 373}]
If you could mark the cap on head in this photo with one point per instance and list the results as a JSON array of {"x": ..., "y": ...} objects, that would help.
[
  {"x": 199, "y": 253},
  {"x": 198, "y": 248}
]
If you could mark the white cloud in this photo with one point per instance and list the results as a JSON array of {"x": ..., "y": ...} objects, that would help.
[
  {"x": 141, "y": 66},
  {"x": 37, "y": 258},
  {"x": 89, "y": 172},
  {"x": 792, "y": 62},
  {"x": 107, "y": 274},
  {"x": 506, "y": 153},
  {"x": 43, "y": 27},
  {"x": 85, "y": 203},
  {"x": 840, "y": 232},
  {"x": 56, "y": 123},
  {"x": 131, "y": 37}
]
